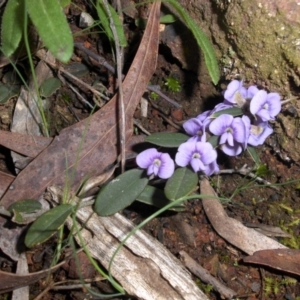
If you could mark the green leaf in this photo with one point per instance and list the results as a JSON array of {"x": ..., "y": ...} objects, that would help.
[
  {"x": 105, "y": 23},
  {"x": 25, "y": 206},
  {"x": 181, "y": 184},
  {"x": 52, "y": 26},
  {"x": 50, "y": 86},
  {"x": 167, "y": 19},
  {"x": 12, "y": 26},
  {"x": 64, "y": 3},
  {"x": 165, "y": 139},
  {"x": 120, "y": 192},
  {"x": 47, "y": 224},
  {"x": 156, "y": 197},
  {"x": 8, "y": 91},
  {"x": 251, "y": 150},
  {"x": 235, "y": 111},
  {"x": 202, "y": 41},
  {"x": 214, "y": 140}
]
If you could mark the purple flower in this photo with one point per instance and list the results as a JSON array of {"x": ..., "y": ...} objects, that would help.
[
  {"x": 259, "y": 132},
  {"x": 156, "y": 163},
  {"x": 265, "y": 106},
  {"x": 200, "y": 155},
  {"x": 232, "y": 132},
  {"x": 195, "y": 128},
  {"x": 237, "y": 94}
]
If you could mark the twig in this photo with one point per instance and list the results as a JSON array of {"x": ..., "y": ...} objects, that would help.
[
  {"x": 105, "y": 64},
  {"x": 120, "y": 94},
  {"x": 164, "y": 117},
  {"x": 139, "y": 125},
  {"x": 204, "y": 275},
  {"x": 79, "y": 96},
  {"x": 244, "y": 170},
  {"x": 68, "y": 74}
]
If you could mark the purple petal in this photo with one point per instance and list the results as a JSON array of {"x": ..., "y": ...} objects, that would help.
[
  {"x": 167, "y": 166},
  {"x": 239, "y": 133},
  {"x": 223, "y": 138},
  {"x": 211, "y": 168},
  {"x": 222, "y": 106},
  {"x": 197, "y": 165},
  {"x": 252, "y": 91},
  {"x": 207, "y": 153},
  {"x": 204, "y": 115},
  {"x": 247, "y": 124},
  {"x": 264, "y": 115},
  {"x": 146, "y": 158},
  {"x": 232, "y": 150},
  {"x": 230, "y": 139},
  {"x": 184, "y": 154},
  {"x": 258, "y": 101},
  {"x": 220, "y": 124},
  {"x": 193, "y": 126},
  {"x": 152, "y": 169},
  {"x": 232, "y": 88},
  {"x": 259, "y": 132},
  {"x": 273, "y": 100}
]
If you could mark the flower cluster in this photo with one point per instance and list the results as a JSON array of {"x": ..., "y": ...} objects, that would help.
[{"x": 251, "y": 127}]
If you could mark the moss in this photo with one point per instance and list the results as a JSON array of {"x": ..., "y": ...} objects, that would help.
[{"x": 265, "y": 46}]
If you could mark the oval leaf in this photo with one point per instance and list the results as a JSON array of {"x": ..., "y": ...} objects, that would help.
[
  {"x": 25, "y": 206},
  {"x": 47, "y": 225},
  {"x": 120, "y": 192},
  {"x": 49, "y": 86},
  {"x": 156, "y": 197},
  {"x": 214, "y": 140},
  {"x": 235, "y": 111},
  {"x": 12, "y": 26},
  {"x": 165, "y": 139},
  {"x": 52, "y": 26},
  {"x": 181, "y": 184}
]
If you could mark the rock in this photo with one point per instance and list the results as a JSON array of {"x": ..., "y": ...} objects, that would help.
[{"x": 255, "y": 40}]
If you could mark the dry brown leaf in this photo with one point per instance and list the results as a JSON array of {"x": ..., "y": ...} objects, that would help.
[
  {"x": 233, "y": 231},
  {"x": 85, "y": 149},
  {"x": 10, "y": 281},
  {"x": 287, "y": 260}
]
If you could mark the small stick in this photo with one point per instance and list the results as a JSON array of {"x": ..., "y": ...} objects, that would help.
[
  {"x": 80, "y": 96},
  {"x": 68, "y": 74},
  {"x": 204, "y": 275},
  {"x": 246, "y": 172},
  {"x": 139, "y": 125},
  {"x": 122, "y": 127}
]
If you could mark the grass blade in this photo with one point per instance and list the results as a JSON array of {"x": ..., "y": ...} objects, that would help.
[{"x": 202, "y": 41}]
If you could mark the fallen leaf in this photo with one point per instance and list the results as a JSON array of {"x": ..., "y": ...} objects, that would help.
[
  {"x": 10, "y": 281},
  {"x": 233, "y": 231},
  {"x": 287, "y": 260},
  {"x": 85, "y": 149},
  {"x": 31, "y": 145},
  {"x": 5, "y": 181},
  {"x": 28, "y": 145}
]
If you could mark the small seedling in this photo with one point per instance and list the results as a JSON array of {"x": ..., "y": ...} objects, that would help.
[{"x": 173, "y": 84}]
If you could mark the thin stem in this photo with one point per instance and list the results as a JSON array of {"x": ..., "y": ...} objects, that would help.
[{"x": 122, "y": 127}]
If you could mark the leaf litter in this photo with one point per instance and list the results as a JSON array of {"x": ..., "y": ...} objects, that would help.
[{"x": 267, "y": 195}]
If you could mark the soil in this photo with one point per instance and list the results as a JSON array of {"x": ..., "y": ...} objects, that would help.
[{"x": 190, "y": 230}]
